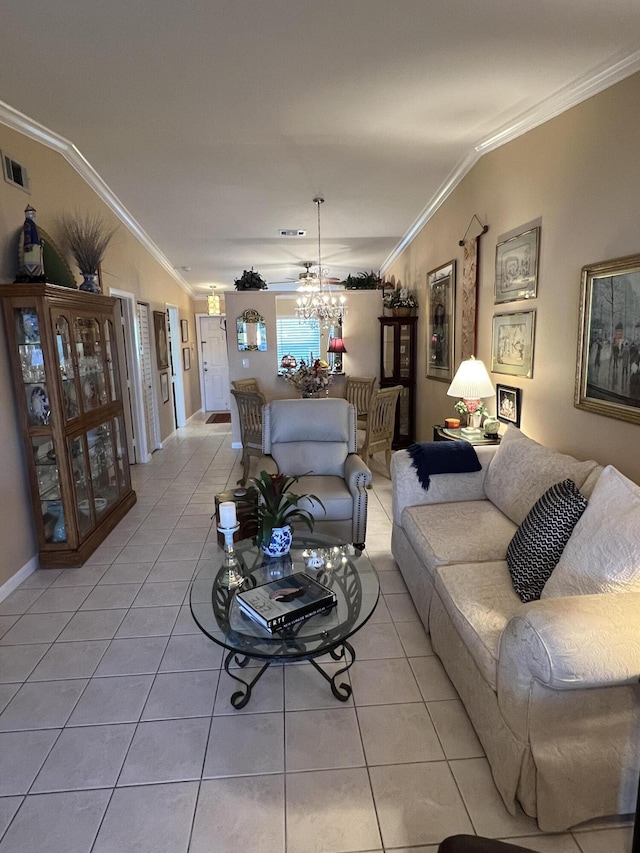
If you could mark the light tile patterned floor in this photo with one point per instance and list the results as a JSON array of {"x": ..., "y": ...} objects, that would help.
[{"x": 116, "y": 732}]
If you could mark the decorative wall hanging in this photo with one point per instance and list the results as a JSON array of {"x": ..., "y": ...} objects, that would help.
[
  {"x": 512, "y": 346},
  {"x": 441, "y": 286},
  {"x": 252, "y": 331},
  {"x": 164, "y": 387},
  {"x": 162, "y": 348},
  {"x": 508, "y": 404},
  {"x": 517, "y": 267},
  {"x": 186, "y": 358},
  {"x": 608, "y": 368},
  {"x": 184, "y": 330}
]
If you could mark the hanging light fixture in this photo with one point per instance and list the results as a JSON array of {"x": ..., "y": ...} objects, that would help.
[
  {"x": 319, "y": 306},
  {"x": 309, "y": 281},
  {"x": 213, "y": 303}
]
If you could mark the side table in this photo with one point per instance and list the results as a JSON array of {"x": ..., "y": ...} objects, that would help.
[
  {"x": 441, "y": 433},
  {"x": 246, "y": 501}
]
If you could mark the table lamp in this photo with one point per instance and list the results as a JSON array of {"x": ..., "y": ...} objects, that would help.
[
  {"x": 471, "y": 382},
  {"x": 337, "y": 348}
]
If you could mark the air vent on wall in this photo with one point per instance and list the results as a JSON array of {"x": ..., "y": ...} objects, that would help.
[
  {"x": 14, "y": 173},
  {"x": 291, "y": 232}
]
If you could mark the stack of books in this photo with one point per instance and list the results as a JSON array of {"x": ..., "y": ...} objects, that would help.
[{"x": 277, "y": 604}]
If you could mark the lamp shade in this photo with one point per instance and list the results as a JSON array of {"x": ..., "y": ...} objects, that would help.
[
  {"x": 336, "y": 345},
  {"x": 471, "y": 381}
]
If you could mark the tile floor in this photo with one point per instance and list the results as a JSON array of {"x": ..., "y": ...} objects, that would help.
[{"x": 116, "y": 732}]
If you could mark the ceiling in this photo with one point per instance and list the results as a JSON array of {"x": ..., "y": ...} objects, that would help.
[{"x": 215, "y": 123}]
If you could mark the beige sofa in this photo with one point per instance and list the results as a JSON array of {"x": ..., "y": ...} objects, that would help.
[{"x": 551, "y": 686}]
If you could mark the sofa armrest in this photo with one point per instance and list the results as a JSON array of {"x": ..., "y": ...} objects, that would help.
[
  {"x": 444, "y": 488},
  {"x": 572, "y": 642},
  {"x": 356, "y": 473}
]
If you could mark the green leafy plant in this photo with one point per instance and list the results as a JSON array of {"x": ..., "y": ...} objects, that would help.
[
  {"x": 278, "y": 506},
  {"x": 363, "y": 281},
  {"x": 250, "y": 280}
]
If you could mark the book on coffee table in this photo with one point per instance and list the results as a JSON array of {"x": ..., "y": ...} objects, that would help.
[{"x": 279, "y": 603}]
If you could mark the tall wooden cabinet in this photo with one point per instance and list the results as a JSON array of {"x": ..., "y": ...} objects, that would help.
[
  {"x": 64, "y": 360},
  {"x": 398, "y": 350}
]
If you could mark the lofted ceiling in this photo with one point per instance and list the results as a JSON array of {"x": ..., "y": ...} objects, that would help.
[{"x": 215, "y": 123}]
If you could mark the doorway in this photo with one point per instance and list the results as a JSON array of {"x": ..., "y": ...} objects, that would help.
[
  {"x": 214, "y": 364},
  {"x": 176, "y": 365}
]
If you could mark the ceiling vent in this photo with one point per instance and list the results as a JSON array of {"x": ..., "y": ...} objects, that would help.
[
  {"x": 14, "y": 173},
  {"x": 291, "y": 232}
]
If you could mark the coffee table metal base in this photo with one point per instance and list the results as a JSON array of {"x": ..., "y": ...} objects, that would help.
[{"x": 343, "y": 652}]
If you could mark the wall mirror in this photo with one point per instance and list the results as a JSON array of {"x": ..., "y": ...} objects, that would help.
[{"x": 252, "y": 331}]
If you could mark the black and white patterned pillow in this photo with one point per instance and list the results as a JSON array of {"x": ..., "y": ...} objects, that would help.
[{"x": 538, "y": 543}]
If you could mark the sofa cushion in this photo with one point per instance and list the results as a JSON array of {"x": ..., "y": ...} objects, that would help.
[
  {"x": 522, "y": 470},
  {"x": 460, "y": 532},
  {"x": 603, "y": 553},
  {"x": 480, "y": 600},
  {"x": 538, "y": 543}
]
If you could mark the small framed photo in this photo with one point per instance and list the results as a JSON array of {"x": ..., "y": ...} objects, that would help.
[
  {"x": 186, "y": 358},
  {"x": 508, "y": 404},
  {"x": 608, "y": 367},
  {"x": 162, "y": 344},
  {"x": 512, "y": 345},
  {"x": 517, "y": 267},
  {"x": 441, "y": 285},
  {"x": 164, "y": 387},
  {"x": 184, "y": 330}
]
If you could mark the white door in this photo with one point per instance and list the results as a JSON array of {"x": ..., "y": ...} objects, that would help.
[
  {"x": 150, "y": 416},
  {"x": 176, "y": 365},
  {"x": 215, "y": 366}
]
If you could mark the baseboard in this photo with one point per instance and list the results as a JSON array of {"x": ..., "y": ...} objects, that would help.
[
  {"x": 21, "y": 575},
  {"x": 236, "y": 445},
  {"x": 194, "y": 415}
]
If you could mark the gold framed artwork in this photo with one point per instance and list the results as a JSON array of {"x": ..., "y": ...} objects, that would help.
[
  {"x": 164, "y": 387},
  {"x": 186, "y": 358},
  {"x": 608, "y": 365},
  {"x": 184, "y": 331},
  {"x": 441, "y": 286},
  {"x": 512, "y": 344},
  {"x": 517, "y": 267},
  {"x": 162, "y": 344}
]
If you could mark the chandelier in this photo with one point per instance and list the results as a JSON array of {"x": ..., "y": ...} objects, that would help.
[
  {"x": 316, "y": 304},
  {"x": 309, "y": 281}
]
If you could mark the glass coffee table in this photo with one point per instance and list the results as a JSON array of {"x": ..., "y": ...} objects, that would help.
[{"x": 345, "y": 570}]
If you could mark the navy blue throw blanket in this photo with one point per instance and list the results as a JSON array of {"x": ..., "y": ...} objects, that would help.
[{"x": 443, "y": 457}]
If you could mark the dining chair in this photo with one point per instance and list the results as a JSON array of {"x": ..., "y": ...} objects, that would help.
[
  {"x": 358, "y": 391},
  {"x": 247, "y": 385},
  {"x": 250, "y": 405},
  {"x": 380, "y": 425}
]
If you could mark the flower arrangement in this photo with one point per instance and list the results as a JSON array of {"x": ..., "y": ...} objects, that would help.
[
  {"x": 311, "y": 378},
  {"x": 278, "y": 506},
  {"x": 399, "y": 298},
  {"x": 462, "y": 409}
]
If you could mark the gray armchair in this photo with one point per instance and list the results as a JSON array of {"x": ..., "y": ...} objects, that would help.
[{"x": 316, "y": 440}]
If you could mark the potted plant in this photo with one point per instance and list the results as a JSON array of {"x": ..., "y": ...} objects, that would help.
[
  {"x": 400, "y": 301},
  {"x": 362, "y": 281},
  {"x": 277, "y": 509},
  {"x": 250, "y": 280},
  {"x": 87, "y": 237}
]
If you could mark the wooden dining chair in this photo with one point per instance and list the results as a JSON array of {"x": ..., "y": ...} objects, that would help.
[
  {"x": 358, "y": 391},
  {"x": 247, "y": 385},
  {"x": 250, "y": 405},
  {"x": 380, "y": 425}
]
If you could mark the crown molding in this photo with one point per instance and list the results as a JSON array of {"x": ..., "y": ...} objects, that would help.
[
  {"x": 594, "y": 81},
  {"x": 34, "y": 130}
]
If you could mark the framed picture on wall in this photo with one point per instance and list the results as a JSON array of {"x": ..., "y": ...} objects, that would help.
[
  {"x": 608, "y": 367},
  {"x": 508, "y": 404},
  {"x": 184, "y": 330},
  {"x": 512, "y": 345},
  {"x": 186, "y": 358},
  {"x": 164, "y": 387},
  {"x": 441, "y": 286},
  {"x": 517, "y": 267},
  {"x": 162, "y": 344}
]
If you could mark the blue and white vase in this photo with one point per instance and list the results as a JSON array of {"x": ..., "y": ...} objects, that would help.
[{"x": 279, "y": 543}]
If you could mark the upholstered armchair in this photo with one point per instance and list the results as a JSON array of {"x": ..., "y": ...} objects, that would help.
[{"x": 316, "y": 440}]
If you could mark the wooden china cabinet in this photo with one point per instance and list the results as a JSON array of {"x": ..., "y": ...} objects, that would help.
[
  {"x": 398, "y": 367},
  {"x": 64, "y": 360}
]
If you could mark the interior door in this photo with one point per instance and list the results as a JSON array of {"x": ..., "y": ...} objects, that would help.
[
  {"x": 215, "y": 365},
  {"x": 150, "y": 416}
]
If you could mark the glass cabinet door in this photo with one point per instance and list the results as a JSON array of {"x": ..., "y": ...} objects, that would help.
[
  {"x": 405, "y": 351},
  {"x": 388, "y": 351},
  {"x": 91, "y": 366},
  {"x": 67, "y": 368},
  {"x": 31, "y": 354},
  {"x": 48, "y": 479},
  {"x": 111, "y": 356},
  {"x": 102, "y": 467},
  {"x": 81, "y": 484}
]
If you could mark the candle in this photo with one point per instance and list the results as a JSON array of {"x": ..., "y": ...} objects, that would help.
[{"x": 227, "y": 514}]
